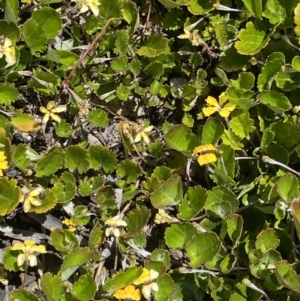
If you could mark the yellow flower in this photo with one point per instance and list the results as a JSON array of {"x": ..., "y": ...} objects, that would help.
[
  {"x": 28, "y": 248},
  {"x": 7, "y": 49},
  {"x": 206, "y": 154},
  {"x": 114, "y": 223},
  {"x": 193, "y": 36},
  {"x": 26, "y": 1},
  {"x": 29, "y": 197},
  {"x": 129, "y": 293},
  {"x": 3, "y": 275},
  {"x": 141, "y": 133},
  {"x": 51, "y": 110},
  {"x": 163, "y": 217},
  {"x": 215, "y": 106},
  {"x": 146, "y": 279},
  {"x": 70, "y": 223},
  {"x": 84, "y": 6},
  {"x": 3, "y": 163}
]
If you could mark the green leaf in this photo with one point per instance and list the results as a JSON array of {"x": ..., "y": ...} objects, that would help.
[
  {"x": 192, "y": 203},
  {"x": 85, "y": 288},
  {"x": 231, "y": 60},
  {"x": 65, "y": 189},
  {"x": 278, "y": 153},
  {"x": 50, "y": 163},
  {"x": 241, "y": 124},
  {"x": 230, "y": 139},
  {"x": 24, "y": 122},
  {"x": 122, "y": 41},
  {"x": 169, "y": 4},
  {"x": 154, "y": 69},
  {"x": 178, "y": 235},
  {"x": 98, "y": 117},
  {"x": 11, "y": 11},
  {"x": 254, "y": 7},
  {"x": 31, "y": 30},
  {"x": 181, "y": 139},
  {"x": 9, "y": 30},
  {"x": 22, "y": 294},
  {"x": 228, "y": 165},
  {"x": 168, "y": 194},
  {"x": 90, "y": 185},
  {"x": 166, "y": 288},
  {"x": 77, "y": 158},
  {"x": 252, "y": 39},
  {"x": 137, "y": 219},
  {"x": 129, "y": 171},
  {"x": 200, "y": 7},
  {"x": 63, "y": 129},
  {"x": 295, "y": 207},
  {"x": 102, "y": 157},
  {"x": 19, "y": 156},
  {"x": 44, "y": 82},
  {"x": 202, "y": 248},
  {"x": 10, "y": 195},
  {"x": 274, "y": 63},
  {"x": 154, "y": 46},
  {"x": 76, "y": 259},
  {"x": 123, "y": 92},
  {"x": 122, "y": 279},
  {"x": 130, "y": 14},
  {"x": 288, "y": 81},
  {"x": 66, "y": 58},
  {"x": 110, "y": 9},
  {"x": 162, "y": 256},
  {"x": 241, "y": 98},
  {"x": 267, "y": 240},
  {"x": 287, "y": 276},
  {"x": 8, "y": 94},
  {"x": 275, "y": 100},
  {"x": 285, "y": 133},
  {"x": 52, "y": 287},
  {"x": 235, "y": 227},
  {"x": 275, "y": 12},
  {"x": 120, "y": 64},
  {"x": 49, "y": 20},
  {"x": 243, "y": 293},
  {"x": 296, "y": 63},
  {"x": 221, "y": 202},
  {"x": 212, "y": 131},
  {"x": 63, "y": 240},
  {"x": 288, "y": 187}
]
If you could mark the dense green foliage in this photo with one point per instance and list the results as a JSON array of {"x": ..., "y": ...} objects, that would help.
[{"x": 150, "y": 149}]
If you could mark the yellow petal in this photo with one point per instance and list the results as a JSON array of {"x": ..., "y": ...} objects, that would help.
[
  {"x": 204, "y": 148},
  {"x": 94, "y": 8},
  {"x": 37, "y": 191},
  {"x": 207, "y": 158},
  {"x": 43, "y": 110},
  {"x": 32, "y": 260},
  {"x": 212, "y": 101},
  {"x": 2, "y": 156},
  {"x": 18, "y": 246},
  {"x": 146, "y": 138},
  {"x": 153, "y": 274},
  {"x": 29, "y": 242},
  {"x": 39, "y": 249},
  {"x": 50, "y": 105},
  {"x": 223, "y": 98},
  {"x": 26, "y": 205},
  {"x": 46, "y": 118},
  {"x": 55, "y": 117},
  {"x": 209, "y": 111},
  {"x": 21, "y": 259},
  {"x": 120, "y": 294},
  {"x": 146, "y": 290},
  {"x": 59, "y": 109}
]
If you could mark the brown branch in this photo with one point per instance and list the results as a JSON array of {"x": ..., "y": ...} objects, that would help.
[{"x": 65, "y": 83}]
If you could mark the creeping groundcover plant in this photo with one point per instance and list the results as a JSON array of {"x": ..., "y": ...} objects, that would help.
[{"x": 150, "y": 150}]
